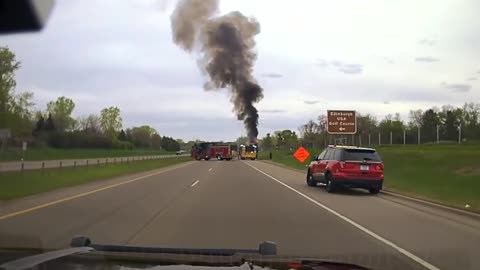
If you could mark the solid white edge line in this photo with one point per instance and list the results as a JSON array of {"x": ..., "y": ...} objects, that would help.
[
  {"x": 195, "y": 183},
  {"x": 353, "y": 223}
]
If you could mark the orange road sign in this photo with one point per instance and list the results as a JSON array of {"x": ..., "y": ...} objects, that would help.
[{"x": 301, "y": 154}]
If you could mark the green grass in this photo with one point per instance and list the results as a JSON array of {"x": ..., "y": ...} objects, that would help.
[
  {"x": 16, "y": 184},
  {"x": 53, "y": 153},
  {"x": 448, "y": 174}
]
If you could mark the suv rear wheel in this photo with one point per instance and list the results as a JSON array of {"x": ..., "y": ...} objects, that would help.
[
  {"x": 310, "y": 181},
  {"x": 330, "y": 184},
  {"x": 374, "y": 190}
]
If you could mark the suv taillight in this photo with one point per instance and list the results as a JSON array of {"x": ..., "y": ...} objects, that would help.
[
  {"x": 379, "y": 167},
  {"x": 342, "y": 164}
]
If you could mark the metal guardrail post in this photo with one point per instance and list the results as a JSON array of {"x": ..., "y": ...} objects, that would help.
[
  {"x": 87, "y": 162},
  {"x": 43, "y": 165},
  {"x": 74, "y": 163},
  {"x": 106, "y": 161},
  {"x": 60, "y": 164},
  {"x": 98, "y": 162},
  {"x": 23, "y": 166}
]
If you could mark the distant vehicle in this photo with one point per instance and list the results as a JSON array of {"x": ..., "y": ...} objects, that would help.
[
  {"x": 249, "y": 151},
  {"x": 208, "y": 150},
  {"x": 347, "y": 166},
  {"x": 180, "y": 152}
]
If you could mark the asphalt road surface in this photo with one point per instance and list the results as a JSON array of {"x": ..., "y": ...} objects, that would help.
[{"x": 237, "y": 204}]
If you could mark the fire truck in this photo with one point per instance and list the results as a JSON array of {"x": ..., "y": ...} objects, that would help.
[
  {"x": 214, "y": 150},
  {"x": 249, "y": 151}
]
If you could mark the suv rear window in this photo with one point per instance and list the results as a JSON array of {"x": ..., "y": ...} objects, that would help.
[{"x": 361, "y": 155}]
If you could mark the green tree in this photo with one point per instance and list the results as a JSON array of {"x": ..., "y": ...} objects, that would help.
[
  {"x": 8, "y": 66},
  {"x": 286, "y": 138},
  {"x": 141, "y": 136},
  {"x": 267, "y": 142},
  {"x": 471, "y": 124},
  {"x": 309, "y": 133},
  {"x": 451, "y": 124},
  {"x": 111, "y": 121},
  {"x": 430, "y": 120},
  {"x": 23, "y": 105},
  {"x": 415, "y": 117},
  {"x": 15, "y": 109},
  {"x": 61, "y": 111},
  {"x": 39, "y": 126},
  {"x": 122, "y": 136},
  {"x": 395, "y": 126},
  {"x": 50, "y": 124},
  {"x": 366, "y": 124},
  {"x": 156, "y": 141},
  {"x": 90, "y": 124}
]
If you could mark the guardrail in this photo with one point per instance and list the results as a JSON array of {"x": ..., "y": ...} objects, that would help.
[{"x": 48, "y": 164}]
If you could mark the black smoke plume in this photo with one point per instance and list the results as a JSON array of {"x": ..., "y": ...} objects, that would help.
[{"x": 225, "y": 46}]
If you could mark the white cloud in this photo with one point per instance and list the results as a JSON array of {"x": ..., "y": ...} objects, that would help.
[
  {"x": 335, "y": 54},
  {"x": 427, "y": 42},
  {"x": 426, "y": 59},
  {"x": 457, "y": 87}
]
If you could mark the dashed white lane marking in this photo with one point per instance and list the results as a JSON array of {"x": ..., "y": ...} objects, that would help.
[
  {"x": 195, "y": 183},
  {"x": 405, "y": 252}
]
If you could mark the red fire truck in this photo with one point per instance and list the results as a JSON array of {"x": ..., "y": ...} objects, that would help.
[{"x": 219, "y": 151}]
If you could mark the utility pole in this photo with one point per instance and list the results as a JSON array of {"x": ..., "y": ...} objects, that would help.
[
  {"x": 369, "y": 142},
  {"x": 360, "y": 140},
  {"x": 438, "y": 136},
  {"x": 460, "y": 134},
  {"x": 391, "y": 138},
  {"x": 404, "y": 137},
  {"x": 418, "y": 135},
  {"x": 379, "y": 139}
]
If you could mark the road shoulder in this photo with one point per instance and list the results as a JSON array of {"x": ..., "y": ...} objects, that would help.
[
  {"x": 28, "y": 202},
  {"x": 407, "y": 198}
]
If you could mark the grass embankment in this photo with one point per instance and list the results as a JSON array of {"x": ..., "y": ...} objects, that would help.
[
  {"x": 17, "y": 184},
  {"x": 449, "y": 174},
  {"x": 52, "y": 153}
]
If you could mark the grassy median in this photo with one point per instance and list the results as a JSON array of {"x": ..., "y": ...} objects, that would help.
[
  {"x": 17, "y": 184},
  {"x": 52, "y": 153},
  {"x": 449, "y": 174}
]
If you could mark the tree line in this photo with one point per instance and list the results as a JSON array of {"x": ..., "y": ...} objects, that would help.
[
  {"x": 449, "y": 121},
  {"x": 56, "y": 127}
]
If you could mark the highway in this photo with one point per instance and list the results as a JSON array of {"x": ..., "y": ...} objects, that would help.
[{"x": 237, "y": 204}]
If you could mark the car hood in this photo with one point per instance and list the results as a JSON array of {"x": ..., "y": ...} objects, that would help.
[{"x": 83, "y": 254}]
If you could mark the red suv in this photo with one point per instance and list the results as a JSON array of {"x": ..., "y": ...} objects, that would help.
[{"x": 347, "y": 166}]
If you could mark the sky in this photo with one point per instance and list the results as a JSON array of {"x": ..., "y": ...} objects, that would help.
[{"x": 377, "y": 57}]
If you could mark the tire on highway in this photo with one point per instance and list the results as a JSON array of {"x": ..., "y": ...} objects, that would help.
[
  {"x": 310, "y": 181},
  {"x": 330, "y": 183},
  {"x": 219, "y": 157}
]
